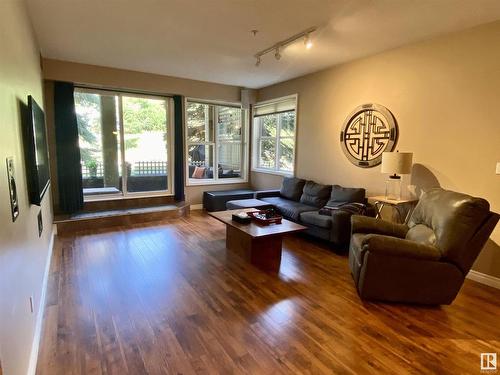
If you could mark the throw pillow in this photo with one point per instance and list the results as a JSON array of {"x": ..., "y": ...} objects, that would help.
[
  {"x": 350, "y": 208},
  {"x": 199, "y": 172},
  {"x": 315, "y": 194},
  {"x": 292, "y": 187}
]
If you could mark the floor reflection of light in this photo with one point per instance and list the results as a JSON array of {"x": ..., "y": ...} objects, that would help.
[
  {"x": 279, "y": 316},
  {"x": 290, "y": 267}
]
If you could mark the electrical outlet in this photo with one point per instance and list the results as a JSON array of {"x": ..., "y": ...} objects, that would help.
[
  {"x": 32, "y": 309},
  {"x": 40, "y": 224}
]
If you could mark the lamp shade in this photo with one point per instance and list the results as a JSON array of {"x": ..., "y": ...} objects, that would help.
[{"x": 397, "y": 162}]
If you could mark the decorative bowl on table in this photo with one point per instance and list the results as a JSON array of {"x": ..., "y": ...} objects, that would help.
[{"x": 265, "y": 217}]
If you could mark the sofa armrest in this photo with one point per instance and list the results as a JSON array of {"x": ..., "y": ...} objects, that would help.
[
  {"x": 370, "y": 225},
  {"x": 397, "y": 247},
  {"x": 370, "y": 210},
  {"x": 267, "y": 193},
  {"x": 341, "y": 227}
]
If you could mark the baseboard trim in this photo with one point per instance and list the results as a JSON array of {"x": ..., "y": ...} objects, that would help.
[
  {"x": 41, "y": 308},
  {"x": 485, "y": 279},
  {"x": 196, "y": 207}
]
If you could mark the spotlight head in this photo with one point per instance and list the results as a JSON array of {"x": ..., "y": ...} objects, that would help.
[
  {"x": 277, "y": 54},
  {"x": 307, "y": 41}
]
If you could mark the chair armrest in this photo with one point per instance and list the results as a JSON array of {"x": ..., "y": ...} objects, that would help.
[
  {"x": 397, "y": 247},
  {"x": 370, "y": 225},
  {"x": 267, "y": 193}
]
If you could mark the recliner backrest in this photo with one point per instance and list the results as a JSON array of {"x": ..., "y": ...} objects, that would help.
[{"x": 449, "y": 221}]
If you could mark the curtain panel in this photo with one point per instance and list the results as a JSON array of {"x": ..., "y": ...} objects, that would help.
[
  {"x": 69, "y": 169},
  {"x": 179, "y": 148}
]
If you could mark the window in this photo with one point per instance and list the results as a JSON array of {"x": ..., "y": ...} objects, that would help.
[
  {"x": 274, "y": 128},
  {"x": 215, "y": 143},
  {"x": 125, "y": 143}
]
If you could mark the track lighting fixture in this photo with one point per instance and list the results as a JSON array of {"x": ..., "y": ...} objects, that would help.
[{"x": 278, "y": 47}]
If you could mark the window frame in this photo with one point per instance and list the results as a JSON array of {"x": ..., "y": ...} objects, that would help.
[
  {"x": 215, "y": 143},
  {"x": 257, "y": 138},
  {"x": 124, "y": 194}
]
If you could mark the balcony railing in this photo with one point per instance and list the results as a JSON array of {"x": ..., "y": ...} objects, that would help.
[
  {"x": 149, "y": 168},
  {"x": 140, "y": 168}
]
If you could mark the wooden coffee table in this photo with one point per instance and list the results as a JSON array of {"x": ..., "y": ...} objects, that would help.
[{"x": 261, "y": 245}]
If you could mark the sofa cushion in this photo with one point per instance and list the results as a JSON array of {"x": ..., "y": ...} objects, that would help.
[
  {"x": 422, "y": 234},
  {"x": 315, "y": 194},
  {"x": 316, "y": 219},
  {"x": 341, "y": 195},
  {"x": 292, "y": 187},
  {"x": 288, "y": 208}
]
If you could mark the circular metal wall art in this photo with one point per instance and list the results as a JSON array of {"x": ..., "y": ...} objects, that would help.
[{"x": 367, "y": 132}]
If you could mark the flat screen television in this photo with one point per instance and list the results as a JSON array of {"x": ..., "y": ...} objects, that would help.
[{"x": 36, "y": 152}]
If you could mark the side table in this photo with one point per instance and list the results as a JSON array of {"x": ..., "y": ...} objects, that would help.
[{"x": 381, "y": 201}]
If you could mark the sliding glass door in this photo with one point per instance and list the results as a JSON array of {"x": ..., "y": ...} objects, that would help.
[
  {"x": 100, "y": 148},
  {"x": 146, "y": 143},
  {"x": 125, "y": 143}
]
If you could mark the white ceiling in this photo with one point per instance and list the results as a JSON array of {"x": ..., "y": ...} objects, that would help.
[{"x": 210, "y": 40}]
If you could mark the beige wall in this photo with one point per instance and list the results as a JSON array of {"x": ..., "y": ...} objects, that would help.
[
  {"x": 23, "y": 255},
  {"x": 444, "y": 94},
  {"x": 263, "y": 181},
  {"x": 127, "y": 79},
  {"x": 54, "y": 70}
]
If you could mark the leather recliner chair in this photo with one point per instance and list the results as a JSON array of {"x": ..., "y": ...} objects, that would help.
[{"x": 427, "y": 260}]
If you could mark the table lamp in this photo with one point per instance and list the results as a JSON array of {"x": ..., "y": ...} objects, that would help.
[{"x": 395, "y": 163}]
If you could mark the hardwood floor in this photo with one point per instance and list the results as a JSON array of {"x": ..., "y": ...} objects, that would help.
[{"x": 165, "y": 299}]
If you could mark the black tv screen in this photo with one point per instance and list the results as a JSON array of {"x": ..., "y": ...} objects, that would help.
[{"x": 36, "y": 152}]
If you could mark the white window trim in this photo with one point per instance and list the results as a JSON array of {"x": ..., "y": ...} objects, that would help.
[
  {"x": 256, "y": 143},
  {"x": 171, "y": 149},
  {"x": 244, "y": 143}
]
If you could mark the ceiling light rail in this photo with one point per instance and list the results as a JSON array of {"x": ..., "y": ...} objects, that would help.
[{"x": 278, "y": 47}]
